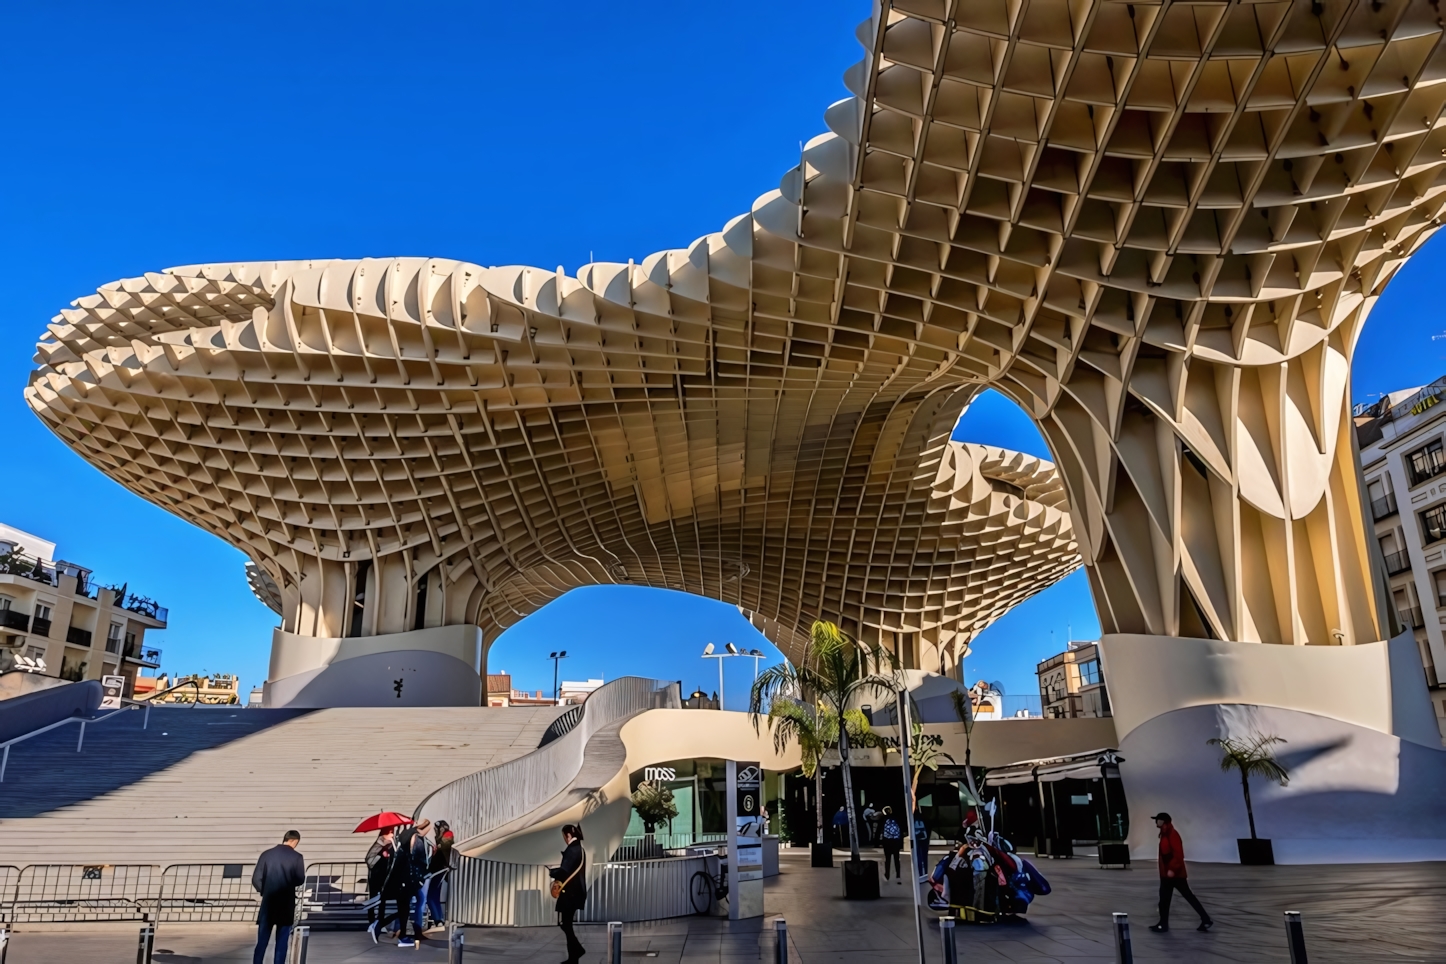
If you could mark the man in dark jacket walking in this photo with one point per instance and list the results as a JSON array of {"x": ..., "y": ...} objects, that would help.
[
  {"x": 279, "y": 871},
  {"x": 1172, "y": 875}
]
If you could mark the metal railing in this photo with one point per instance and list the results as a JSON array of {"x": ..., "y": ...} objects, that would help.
[
  {"x": 14, "y": 619},
  {"x": 1384, "y": 506},
  {"x": 561, "y": 726},
  {"x": 336, "y": 891},
  {"x": 487, "y": 800},
  {"x": 78, "y": 636},
  {"x": 649, "y": 846},
  {"x": 1426, "y": 463},
  {"x": 489, "y": 893},
  {"x": 179, "y": 893},
  {"x": 72, "y": 893},
  {"x": 84, "y": 721},
  {"x": 1397, "y": 562},
  {"x": 209, "y": 893}
]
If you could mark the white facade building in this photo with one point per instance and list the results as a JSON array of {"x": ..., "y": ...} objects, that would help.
[{"x": 1403, "y": 464}]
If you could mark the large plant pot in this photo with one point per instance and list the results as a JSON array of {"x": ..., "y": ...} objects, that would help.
[
  {"x": 821, "y": 855},
  {"x": 1255, "y": 852},
  {"x": 1056, "y": 847},
  {"x": 861, "y": 879}
]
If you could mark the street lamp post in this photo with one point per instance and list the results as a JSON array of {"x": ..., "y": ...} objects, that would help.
[
  {"x": 709, "y": 654},
  {"x": 556, "y": 658},
  {"x": 731, "y": 650}
]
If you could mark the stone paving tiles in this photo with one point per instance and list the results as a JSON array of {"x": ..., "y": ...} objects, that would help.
[{"x": 1353, "y": 913}]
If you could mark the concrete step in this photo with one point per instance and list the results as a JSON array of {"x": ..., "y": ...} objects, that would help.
[{"x": 221, "y": 784}]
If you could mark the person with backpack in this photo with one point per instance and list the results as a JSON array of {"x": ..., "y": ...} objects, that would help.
[
  {"x": 1172, "y": 876},
  {"x": 892, "y": 836}
]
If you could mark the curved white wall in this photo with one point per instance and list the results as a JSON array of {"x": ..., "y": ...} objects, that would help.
[
  {"x": 1367, "y": 768},
  {"x": 435, "y": 667}
]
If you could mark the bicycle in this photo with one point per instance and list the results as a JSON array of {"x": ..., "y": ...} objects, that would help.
[{"x": 706, "y": 889}]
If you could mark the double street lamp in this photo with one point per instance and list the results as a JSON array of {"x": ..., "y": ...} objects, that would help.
[{"x": 731, "y": 650}]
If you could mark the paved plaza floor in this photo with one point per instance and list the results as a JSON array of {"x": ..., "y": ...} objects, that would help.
[{"x": 1353, "y": 913}]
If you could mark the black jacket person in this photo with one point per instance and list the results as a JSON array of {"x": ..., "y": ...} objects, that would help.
[
  {"x": 572, "y": 874},
  {"x": 279, "y": 871}
]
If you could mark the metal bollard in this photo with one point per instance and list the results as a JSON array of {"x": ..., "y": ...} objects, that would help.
[
  {"x": 780, "y": 930},
  {"x": 454, "y": 943},
  {"x": 300, "y": 938},
  {"x": 615, "y": 942},
  {"x": 147, "y": 943},
  {"x": 946, "y": 932},
  {"x": 1295, "y": 937},
  {"x": 1124, "y": 953},
  {"x": 80, "y": 740}
]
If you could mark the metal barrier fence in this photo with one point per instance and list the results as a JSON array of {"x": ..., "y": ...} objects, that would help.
[
  {"x": 211, "y": 893},
  {"x": 489, "y": 799},
  {"x": 68, "y": 893},
  {"x": 336, "y": 892},
  {"x": 179, "y": 893},
  {"x": 490, "y": 893}
]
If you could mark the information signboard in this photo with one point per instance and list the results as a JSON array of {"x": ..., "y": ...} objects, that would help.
[
  {"x": 745, "y": 839},
  {"x": 113, "y": 687}
]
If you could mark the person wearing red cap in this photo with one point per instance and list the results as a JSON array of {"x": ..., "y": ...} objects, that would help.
[{"x": 1172, "y": 875}]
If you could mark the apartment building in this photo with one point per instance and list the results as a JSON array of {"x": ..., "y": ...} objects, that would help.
[
  {"x": 1402, "y": 441},
  {"x": 1071, "y": 683},
  {"x": 55, "y": 612}
]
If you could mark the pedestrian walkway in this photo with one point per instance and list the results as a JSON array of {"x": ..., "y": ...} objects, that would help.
[{"x": 1353, "y": 913}]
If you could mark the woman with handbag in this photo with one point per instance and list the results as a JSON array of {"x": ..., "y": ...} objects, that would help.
[{"x": 569, "y": 888}]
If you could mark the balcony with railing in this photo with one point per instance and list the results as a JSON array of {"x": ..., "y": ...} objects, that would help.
[
  {"x": 1397, "y": 562},
  {"x": 1384, "y": 506},
  {"x": 40, "y": 626},
  {"x": 77, "y": 636},
  {"x": 148, "y": 656},
  {"x": 147, "y": 607},
  {"x": 27, "y": 567},
  {"x": 1426, "y": 463},
  {"x": 1411, "y": 617},
  {"x": 14, "y": 619}
]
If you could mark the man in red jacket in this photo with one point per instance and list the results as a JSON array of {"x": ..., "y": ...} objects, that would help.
[{"x": 1172, "y": 875}]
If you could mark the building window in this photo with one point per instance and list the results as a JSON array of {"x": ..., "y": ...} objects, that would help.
[
  {"x": 1426, "y": 462},
  {"x": 1089, "y": 673},
  {"x": 113, "y": 638},
  {"x": 1433, "y": 523}
]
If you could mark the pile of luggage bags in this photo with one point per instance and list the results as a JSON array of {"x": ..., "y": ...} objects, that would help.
[{"x": 985, "y": 880}]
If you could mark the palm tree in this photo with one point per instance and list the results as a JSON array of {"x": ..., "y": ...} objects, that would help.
[
  {"x": 1251, "y": 756},
  {"x": 964, "y": 709},
  {"x": 925, "y": 752},
  {"x": 814, "y": 727},
  {"x": 837, "y": 672}
]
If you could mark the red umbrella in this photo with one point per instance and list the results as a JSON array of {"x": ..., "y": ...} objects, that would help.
[{"x": 386, "y": 818}]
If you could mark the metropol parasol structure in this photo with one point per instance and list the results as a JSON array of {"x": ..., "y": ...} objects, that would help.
[{"x": 1157, "y": 227}]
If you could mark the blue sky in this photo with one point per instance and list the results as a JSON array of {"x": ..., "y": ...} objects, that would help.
[{"x": 140, "y": 137}]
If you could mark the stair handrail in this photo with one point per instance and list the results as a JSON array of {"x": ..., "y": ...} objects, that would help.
[
  {"x": 151, "y": 699},
  {"x": 489, "y": 799}
]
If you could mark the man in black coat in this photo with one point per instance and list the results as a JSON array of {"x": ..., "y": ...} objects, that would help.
[{"x": 279, "y": 871}]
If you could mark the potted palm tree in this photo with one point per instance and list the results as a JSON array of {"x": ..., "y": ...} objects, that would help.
[
  {"x": 1252, "y": 756},
  {"x": 838, "y": 673}
]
